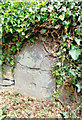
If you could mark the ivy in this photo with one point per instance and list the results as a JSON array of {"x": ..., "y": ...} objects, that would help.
[
  {"x": 23, "y": 22},
  {"x": 75, "y": 53}
]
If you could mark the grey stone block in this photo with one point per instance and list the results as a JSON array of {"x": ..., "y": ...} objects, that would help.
[{"x": 32, "y": 72}]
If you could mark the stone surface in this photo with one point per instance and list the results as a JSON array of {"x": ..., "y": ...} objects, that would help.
[
  {"x": 32, "y": 72},
  {"x": 7, "y": 73}
]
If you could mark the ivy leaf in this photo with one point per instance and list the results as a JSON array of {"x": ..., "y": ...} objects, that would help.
[
  {"x": 43, "y": 39},
  {"x": 38, "y": 17},
  {"x": 19, "y": 30},
  {"x": 39, "y": 115},
  {"x": 44, "y": 31},
  {"x": 14, "y": 39},
  {"x": 50, "y": 8},
  {"x": 62, "y": 17},
  {"x": 59, "y": 64},
  {"x": 66, "y": 23},
  {"x": 79, "y": 87},
  {"x": 63, "y": 8},
  {"x": 12, "y": 62},
  {"x": 59, "y": 52},
  {"x": 58, "y": 86},
  {"x": 11, "y": 30},
  {"x": 23, "y": 33},
  {"x": 72, "y": 71},
  {"x": 2, "y": 117},
  {"x": 4, "y": 111},
  {"x": 0, "y": 51},
  {"x": 43, "y": 9},
  {"x": 18, "y": 44},
  {"x": 57, "y": 26},
  {"x": 18, "y": 21},
  {"x": 8, "y": 59},
  {"x": 75, "y": 53},
  {"x": 77, "y": 40},
  {"x": 32, "y": 40},
  {"x": 0, "y": 62}
]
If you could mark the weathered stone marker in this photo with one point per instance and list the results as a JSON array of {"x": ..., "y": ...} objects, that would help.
[{"x": 32, "y": 72}]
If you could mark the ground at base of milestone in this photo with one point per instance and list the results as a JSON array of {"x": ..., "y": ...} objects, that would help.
[{"x": 14, "y": 105}]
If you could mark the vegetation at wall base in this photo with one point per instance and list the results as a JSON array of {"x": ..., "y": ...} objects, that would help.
[{"x": 25, "y": 22}]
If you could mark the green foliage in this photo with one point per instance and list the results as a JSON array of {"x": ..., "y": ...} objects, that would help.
[
  {"x": 3, "y": 113},
  {"x": 22, "y": 22},
  {"x": 39, "y": 115},
  {"x": 75, "y": 53}
]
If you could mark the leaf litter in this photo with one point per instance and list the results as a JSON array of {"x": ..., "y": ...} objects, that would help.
[{"x": 14, "y": 105}]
